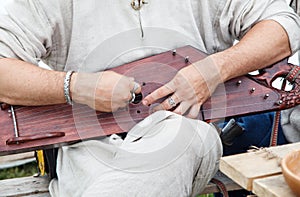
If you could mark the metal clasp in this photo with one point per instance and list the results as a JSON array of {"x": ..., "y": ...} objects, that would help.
[{"x": 137, "y": 4}]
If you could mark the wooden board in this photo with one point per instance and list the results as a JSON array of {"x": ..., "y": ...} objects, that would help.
[
  {"x": 274, "y": 186},
  {"x": 245, "y": 168},
  {"x": 9, "y": 161},
  {"x": 26, "y": 186}
]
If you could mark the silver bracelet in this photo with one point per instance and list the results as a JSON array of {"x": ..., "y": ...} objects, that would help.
[{"x": 67, "y": 87}]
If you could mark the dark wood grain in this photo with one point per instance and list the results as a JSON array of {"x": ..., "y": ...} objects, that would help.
[{"x": 80, "y": 122}]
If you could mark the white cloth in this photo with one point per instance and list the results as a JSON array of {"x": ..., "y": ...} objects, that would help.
[
  {"x": 63, "y": 33},
  {"x": 290, "y": 118},
  {"x": 290, "y": 123},
  {"x": 164, "y": 155}
]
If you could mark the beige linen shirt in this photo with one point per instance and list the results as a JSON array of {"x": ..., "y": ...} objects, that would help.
[{"x": 65, "y": 33}]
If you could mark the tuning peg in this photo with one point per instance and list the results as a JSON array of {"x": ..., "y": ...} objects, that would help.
[
  {"x": 266, "y": 96},
  {"x": 252, "y": 90},
  {"x": 239, "y": 82},
  {"x": 174, "y": 52},
  {"x": 187, "y": 59},
  {"x": 4, "y": 106}
]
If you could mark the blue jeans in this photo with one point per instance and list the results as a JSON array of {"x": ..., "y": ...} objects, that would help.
[{"x": 257, "y": 132}]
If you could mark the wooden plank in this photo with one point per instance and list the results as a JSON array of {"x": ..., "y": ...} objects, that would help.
[
  {"x": 37, "y": 195},
  {"x": 246, "y": 167},
  {"x": 24, "y": 186},
  {"x": 9, "y": 161},
  {"x": 274, "y": 186},
  {"x": 14, "y": 157}
]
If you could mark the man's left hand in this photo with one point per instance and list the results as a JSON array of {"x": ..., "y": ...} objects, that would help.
[{"x": 188, "y": 90}]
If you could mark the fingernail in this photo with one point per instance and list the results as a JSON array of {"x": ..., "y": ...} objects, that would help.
[{"x": 145, "y": 102}]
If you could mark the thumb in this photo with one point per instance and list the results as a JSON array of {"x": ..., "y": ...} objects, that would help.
[
  {"x": 135, "y": 87},
  {"x": 136, "y": 90}
]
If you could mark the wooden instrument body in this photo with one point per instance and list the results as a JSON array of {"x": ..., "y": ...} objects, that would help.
[{"x": 79, "y": 122}]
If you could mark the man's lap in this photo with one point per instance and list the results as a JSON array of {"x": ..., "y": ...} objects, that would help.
[{"x": 160, "y": 157}]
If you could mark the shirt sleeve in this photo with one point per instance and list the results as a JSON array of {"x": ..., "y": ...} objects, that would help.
[
  {"x": 25, "y": 31},
  {"x": 36, "y": 29},
  {"x": 238, "y": 16}
]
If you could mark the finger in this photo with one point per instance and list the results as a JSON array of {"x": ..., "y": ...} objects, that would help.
[
  {"x": 157, "y": 94},
  {"x": 169, "y": 103},
  {"x": 135, "y": 87},
  {"x": 194, "y": 111},
  {"x": 182, "y": 108}
]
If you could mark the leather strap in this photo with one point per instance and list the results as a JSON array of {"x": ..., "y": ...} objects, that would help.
[
  {"x": 274, "y": 133},
  {"x": 293, "y": 74},
  {"x": 221, "y": 186}
]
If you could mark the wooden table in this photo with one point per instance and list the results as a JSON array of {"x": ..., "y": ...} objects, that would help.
[
  {"x": 259, "y": 171},
  {"x": 273, "y": 186}
]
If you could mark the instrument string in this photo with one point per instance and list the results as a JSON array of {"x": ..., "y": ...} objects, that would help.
[
  {"x": 82, "y": 115},
  {"x": 59, "y": 111},
  {"x": 85, "y": 125},
  {"x": 103, "y": 119},
  {"x": 27, "y": 116},
  {"x": 60, "y": 107},
  {"x": 175, "y": 59}
]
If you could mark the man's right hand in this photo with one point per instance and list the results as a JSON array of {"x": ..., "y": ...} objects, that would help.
[{"x": 105, "y": 91}]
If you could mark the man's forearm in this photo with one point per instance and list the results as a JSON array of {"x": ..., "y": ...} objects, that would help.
[
  {"x": 266, "y": 43},
  {"x": 22, "y": 83}
]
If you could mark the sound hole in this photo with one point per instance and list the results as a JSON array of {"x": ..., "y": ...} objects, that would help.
[{"x": 138, "y": 98}]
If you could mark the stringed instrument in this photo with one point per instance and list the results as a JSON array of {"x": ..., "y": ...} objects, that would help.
[{"x": 32, "y": 128}]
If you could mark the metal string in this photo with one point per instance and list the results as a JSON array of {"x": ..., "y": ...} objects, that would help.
[
  {"x": 59, "y": 106},
  {"x": 102, "y": 117}
]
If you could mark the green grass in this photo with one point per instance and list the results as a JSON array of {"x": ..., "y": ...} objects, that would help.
[{"x": 20, "y": 171}]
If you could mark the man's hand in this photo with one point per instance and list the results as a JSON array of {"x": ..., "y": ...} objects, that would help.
[
  {"x": 105, "y": 91},
  {"x": 266, "y": 43},
  {"x": 188, "y": 90}
]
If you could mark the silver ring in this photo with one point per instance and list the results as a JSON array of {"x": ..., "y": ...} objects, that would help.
[
  {"x": 132, "y": 97},
  {"x": 171, "y": 102},
  {"x": 135, "y": 87}
]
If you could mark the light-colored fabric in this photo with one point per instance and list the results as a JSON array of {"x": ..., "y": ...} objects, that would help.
[
  {"x": 164, "y": 155},
  {"x": 295, "y": 5},
  {"x": 33, "y": 30},
  {"x": 65, "y": 33},
  {"x": 290, "y": 123},
  {"x": 290, "y": 118}
]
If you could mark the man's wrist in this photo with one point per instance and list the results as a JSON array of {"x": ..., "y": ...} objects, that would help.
[
  {"x": 67, "y": 92},
  {"x": 223, "y": 62}
]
